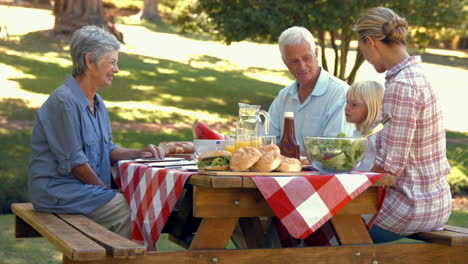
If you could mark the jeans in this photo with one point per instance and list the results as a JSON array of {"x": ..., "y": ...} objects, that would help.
[{"x": 380, "y": 235}]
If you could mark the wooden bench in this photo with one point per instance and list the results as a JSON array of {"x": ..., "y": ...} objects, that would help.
[
  {"x": 76, "y": 236},
  {"x": 451, "y": 236},
  {"x": 83, "y": 241}
]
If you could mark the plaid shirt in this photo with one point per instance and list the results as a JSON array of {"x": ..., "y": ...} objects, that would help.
[{"x": 412, "y": 148}]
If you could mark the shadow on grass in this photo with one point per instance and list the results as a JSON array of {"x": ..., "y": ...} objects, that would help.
[
  {"x": 445, "y": 60},
  {"x": 164, "y": 82}
]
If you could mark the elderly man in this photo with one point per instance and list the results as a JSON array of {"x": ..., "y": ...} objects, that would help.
[{"x": 316, "y": 97}]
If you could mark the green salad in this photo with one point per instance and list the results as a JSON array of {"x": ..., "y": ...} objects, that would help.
[{"x": 333, "y": 154}]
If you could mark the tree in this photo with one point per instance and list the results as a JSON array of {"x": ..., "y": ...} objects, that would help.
[
  {"x": 71, "y": 15},
  {"x": 330, "y": 21},
  {"x": 150, "y": 11}
]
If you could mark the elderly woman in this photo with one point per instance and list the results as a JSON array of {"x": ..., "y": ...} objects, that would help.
[
  {"x": 72, "y": 148},
  {"x": 412, "y": 145}
]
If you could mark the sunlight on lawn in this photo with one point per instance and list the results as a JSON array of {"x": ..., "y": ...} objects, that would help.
[{"x": 261, "y": 62}]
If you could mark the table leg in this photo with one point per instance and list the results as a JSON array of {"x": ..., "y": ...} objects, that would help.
[
  {"x": 351, "y": 229},
  {"x": 214, "y": 233},
  {"x": 249, "y": 233}
]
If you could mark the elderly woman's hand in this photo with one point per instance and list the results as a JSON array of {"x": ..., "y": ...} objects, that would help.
[{"x": 151, "y": 151}]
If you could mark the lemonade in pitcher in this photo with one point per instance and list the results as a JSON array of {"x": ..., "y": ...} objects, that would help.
[{"x": 250, "y": 125}]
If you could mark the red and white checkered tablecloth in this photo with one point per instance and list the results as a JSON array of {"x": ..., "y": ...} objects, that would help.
[
  {"x": 152, "y": 194},
  {"x": 304, "y": 203}
]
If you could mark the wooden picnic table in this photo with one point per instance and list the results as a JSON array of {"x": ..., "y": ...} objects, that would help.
[{"x": 223, "y": 201}]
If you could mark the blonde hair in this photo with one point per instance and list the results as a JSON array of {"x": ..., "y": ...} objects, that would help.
[
  {"x": 383, "y": 24},
  {"x": 371, "y": 94}
]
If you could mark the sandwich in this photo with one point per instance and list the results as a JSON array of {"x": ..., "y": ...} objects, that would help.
[{"x": 214, "y": 160}]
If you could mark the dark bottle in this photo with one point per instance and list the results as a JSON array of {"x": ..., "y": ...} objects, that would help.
[{"x": 288, "y": 144}]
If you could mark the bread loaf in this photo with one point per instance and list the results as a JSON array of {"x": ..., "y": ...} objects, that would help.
[{"x": 177, "y": 147}]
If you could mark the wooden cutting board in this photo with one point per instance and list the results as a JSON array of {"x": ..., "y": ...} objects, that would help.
[{"x": 252, "y": 173}]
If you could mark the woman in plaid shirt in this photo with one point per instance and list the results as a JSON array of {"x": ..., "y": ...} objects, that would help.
[{"x": 412, "y": 145}]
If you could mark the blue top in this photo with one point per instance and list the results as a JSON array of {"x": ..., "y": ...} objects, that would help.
[
  {"x": 321, "y": 114},
  {"x": 67, "y": 134}
]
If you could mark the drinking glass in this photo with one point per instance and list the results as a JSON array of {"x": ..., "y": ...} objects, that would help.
[{"x": 260, "y": 141}]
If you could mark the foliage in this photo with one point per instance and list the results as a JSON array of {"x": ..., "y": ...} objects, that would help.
[{"x": 261, "y": 20}]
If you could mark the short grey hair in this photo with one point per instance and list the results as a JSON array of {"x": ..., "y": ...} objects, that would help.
[
  {"x": 295, "y": 36},
  {"x": 93, "y": 40}
]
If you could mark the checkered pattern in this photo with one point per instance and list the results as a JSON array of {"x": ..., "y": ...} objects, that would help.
[
  {"x": 305, "y": 203},
  {"x": 152, "y": 194},
  {"x": 412, "y": 148}
]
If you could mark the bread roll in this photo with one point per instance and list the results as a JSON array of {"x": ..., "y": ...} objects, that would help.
[
  {"x": 271, "y": 158},
  {"x": 289, "y": 165},
  {"x": 304, "y": 160},
  {"x": 177, "y": 147},
  {"x": 244, "y": 158}
]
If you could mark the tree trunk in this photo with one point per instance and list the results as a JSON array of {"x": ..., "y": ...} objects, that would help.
[
  {"x": 71, "y": 15},
  {"x": 357, "y": 63},
  {"x": 150, "y": 11}
]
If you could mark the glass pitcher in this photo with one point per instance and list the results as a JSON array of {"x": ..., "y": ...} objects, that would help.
[{"x": 250, "y": 124}]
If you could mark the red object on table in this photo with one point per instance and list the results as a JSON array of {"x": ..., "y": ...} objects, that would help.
[
  {"x": 288, "y": 143},
  {"x": 152, "y": 194}
]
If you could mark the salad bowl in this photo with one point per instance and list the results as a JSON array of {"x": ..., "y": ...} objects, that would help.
[{"x": 334, "y": 154}]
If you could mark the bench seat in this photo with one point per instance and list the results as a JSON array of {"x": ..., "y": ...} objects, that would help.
[
  {"x": 76, "y": 236},
  {"x": 450, "y": 236}
]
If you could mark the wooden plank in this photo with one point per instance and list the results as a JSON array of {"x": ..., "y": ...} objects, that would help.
[
  {"x": 226, "y": 182},
  {"x": 73, "y": 244},
  {"x": 200, "y": 180},
  {"x": 115, "y": 245},
  {"x": 457, "y": 229},
  {"x": 351, "y": 229},
  {"x": 384, "y": 253},
  {"x": 216, "y": 181},
  {"x": 231, "y": 202},
  {"x": 364, "y": 203},
  {"x": 236, "y": 202},
  {"x": 254, "y": 173},
  {"x": 247, "y": 182},
  {"x": 213, "y": 233},
  {"x": 386, "y": 180},
  {"x": 448, "y": 238}
]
